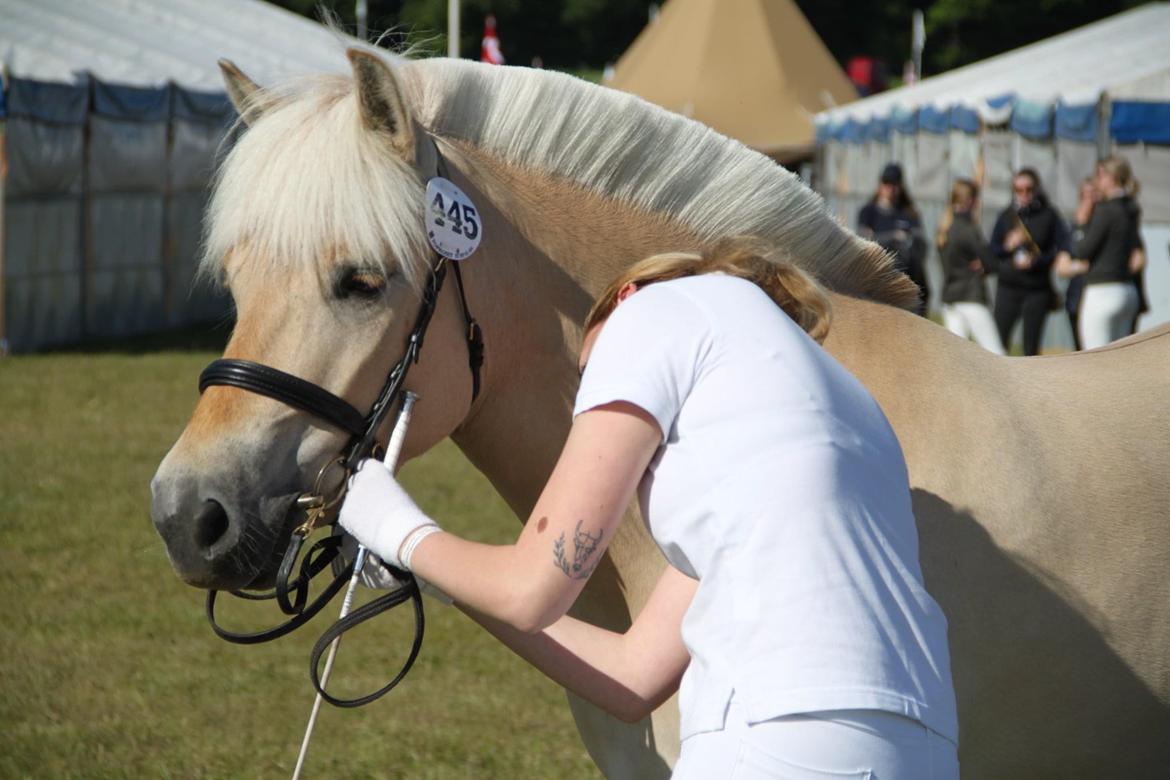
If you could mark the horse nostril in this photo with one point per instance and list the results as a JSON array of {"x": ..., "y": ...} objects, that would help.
[{"x": 211, "y": 523}]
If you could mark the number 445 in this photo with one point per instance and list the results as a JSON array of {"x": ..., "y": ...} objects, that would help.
[{"x": 462, "y": 215}]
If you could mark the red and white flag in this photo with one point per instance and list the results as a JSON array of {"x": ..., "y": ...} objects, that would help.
[{"x": 490, "y": 51}]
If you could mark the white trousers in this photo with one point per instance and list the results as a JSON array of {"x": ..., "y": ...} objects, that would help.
[
  {"x": 1107, "y": 312},
  {"x": 842, "y": 745},
  {"x": 973, "y": 320}
]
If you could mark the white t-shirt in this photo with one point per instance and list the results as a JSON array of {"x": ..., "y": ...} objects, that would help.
[{"x": 781, "y": 487}]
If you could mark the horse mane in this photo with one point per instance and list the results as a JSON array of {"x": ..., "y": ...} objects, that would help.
[
  {"x": 652, "y": 159},
  {"x": 305, "y": 181}
]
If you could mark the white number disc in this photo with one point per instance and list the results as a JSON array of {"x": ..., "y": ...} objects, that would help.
[{"x": 454, "y": 227}]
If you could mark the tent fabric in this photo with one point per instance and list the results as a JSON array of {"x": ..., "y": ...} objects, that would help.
[
  {"x": 965, "y": 119},
  {"x": 1139, "y": 121},
  {"x": 1151, "y": 167},
  {"x": 153, "y": 43},
  {"x": 59, "y": 104},
  {"x": 1076, "y": 123},
  {"x": 752, "y": 69},
  {"x": 933, "y": 120},
  {"x": 115, "y": 116},
  {"x": 1032, "y": 120},
  {"x": 1123, "y": 57},
  {"x": 904, "y": 121},
  {"x": 144, "y": 104}
]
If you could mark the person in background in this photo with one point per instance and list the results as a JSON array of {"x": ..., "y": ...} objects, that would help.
[
  {"x": 1026, "y": 238},
  {"x": 966, "y": 259},
  {"x": 1074, "y": 270},
  {"x": 1109, "y": 252},
  {"x": 891, "y": 220}
]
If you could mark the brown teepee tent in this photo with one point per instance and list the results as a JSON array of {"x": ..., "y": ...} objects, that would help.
[{"x": 752, "y": 69}]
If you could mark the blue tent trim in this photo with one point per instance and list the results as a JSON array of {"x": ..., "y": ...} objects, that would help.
[
  {"x": 1134, "y": 121},
  {"x": 878, "y": 129},
  {"x": 214, "y": 107},
  {"x": 1077, "y": 123},
  {"x": 1032, "y": 120},
  {"x": 904, "y": 121},
  {"x": 965, "y": 119},
  {"x": 934, "y": 120},
  {"x": 139, "y": 104},
  {"x": 853, "y": 132},
  {"x": 47, "y": 101}
]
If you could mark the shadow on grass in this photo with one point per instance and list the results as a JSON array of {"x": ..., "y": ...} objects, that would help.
[{"x": 205, "y": 337}]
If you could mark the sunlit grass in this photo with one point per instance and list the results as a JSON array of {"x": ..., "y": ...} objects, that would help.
[{"x": 108, "y": 669}]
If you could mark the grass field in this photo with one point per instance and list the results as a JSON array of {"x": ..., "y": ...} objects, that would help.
[{"x": 108, "y": 669}]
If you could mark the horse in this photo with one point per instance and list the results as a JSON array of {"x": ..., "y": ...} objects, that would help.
[{"x": 1038, "y": 483}]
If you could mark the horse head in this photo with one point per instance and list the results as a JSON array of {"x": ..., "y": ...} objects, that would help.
[{"x": 316, "y": 227}]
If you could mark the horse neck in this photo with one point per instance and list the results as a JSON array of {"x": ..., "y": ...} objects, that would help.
[{"x": 549, "y": 247}]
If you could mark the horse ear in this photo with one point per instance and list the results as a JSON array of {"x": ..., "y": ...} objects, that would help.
[
  {"x": 380, "y": 101},
  {"x": 242, "y": 91}
]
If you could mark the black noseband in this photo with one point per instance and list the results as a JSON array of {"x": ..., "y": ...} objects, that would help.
[{"x": 286, "y": 388}]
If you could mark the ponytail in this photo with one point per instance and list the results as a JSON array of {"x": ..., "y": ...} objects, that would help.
[{"x": 793, "y": 290}]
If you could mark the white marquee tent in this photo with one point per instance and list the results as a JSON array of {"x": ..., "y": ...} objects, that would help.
[
  {"x": 111, "y": 115},
  {"x": 1056, "y": 106}
]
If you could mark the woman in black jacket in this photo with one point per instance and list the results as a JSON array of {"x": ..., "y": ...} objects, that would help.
[
  {"x": 891, "y": 220},
  {"x": 1109, "y": 248},
  {"x": 966, "y": 259},
  {"x": 1026, "y": 238}
]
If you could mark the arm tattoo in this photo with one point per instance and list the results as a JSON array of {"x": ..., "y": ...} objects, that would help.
[{"x": 584, "y": 545}]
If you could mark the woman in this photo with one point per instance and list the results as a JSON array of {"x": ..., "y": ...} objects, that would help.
[
  {"x": 1027, "y": 236},
  {"x": 966, "y": 259},
  {"x": 891, "y": 220},
  {"x": 793, "y": 611},
  {"x": 1074, "y": 270},
  {"x": 1110, "y": 248}
]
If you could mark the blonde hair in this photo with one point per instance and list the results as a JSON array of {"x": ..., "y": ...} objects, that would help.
[
  {"x": 1118, "y": 167},
  {"x": 964, "y": 192},
  {"x": 793, "y": 290}
]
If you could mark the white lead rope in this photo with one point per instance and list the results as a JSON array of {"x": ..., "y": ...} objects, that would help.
[{"x": 393, "y": 451}]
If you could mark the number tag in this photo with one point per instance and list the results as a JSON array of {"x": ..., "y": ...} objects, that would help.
[{"x": 453, "y": 223}]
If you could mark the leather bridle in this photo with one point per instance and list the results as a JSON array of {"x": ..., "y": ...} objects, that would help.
[{"x": 292, "y": 596}]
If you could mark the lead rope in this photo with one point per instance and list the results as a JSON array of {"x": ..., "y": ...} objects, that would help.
[{"x": 393, "y": 451}]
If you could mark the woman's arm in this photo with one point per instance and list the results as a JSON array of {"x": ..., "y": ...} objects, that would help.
[
  {"x": 529, "y": 585},
  {"x": 628, "y": 675}
]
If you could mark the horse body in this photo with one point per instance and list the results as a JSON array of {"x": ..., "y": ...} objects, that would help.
[{"x": 1036, "y": 482}]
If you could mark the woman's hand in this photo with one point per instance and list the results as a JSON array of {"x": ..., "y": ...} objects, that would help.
[
  {"x": 380, "y": 515},
  {"x": 1013, "y": 239}
]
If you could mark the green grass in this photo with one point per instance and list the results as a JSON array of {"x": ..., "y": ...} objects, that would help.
[{"x": 108, "y": 669}]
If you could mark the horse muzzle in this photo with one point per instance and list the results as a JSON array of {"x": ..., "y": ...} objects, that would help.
[{"x": 214, "y": 542}]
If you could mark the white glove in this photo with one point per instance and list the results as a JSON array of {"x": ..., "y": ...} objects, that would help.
[
  {"x": 377, "y": 577},
  {"x": 379, "y": 513}
]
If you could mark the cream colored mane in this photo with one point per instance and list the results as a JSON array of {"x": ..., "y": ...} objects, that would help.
[{"x": 306, "y": 180}]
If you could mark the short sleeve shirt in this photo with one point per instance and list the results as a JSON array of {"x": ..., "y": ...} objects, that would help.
[{"x": 781, "y": 487}]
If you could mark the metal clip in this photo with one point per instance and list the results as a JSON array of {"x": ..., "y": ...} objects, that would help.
[{"x": 314, "y": 507}]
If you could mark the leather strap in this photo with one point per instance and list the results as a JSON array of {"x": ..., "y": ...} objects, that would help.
[{"x": 286, "y": 388}]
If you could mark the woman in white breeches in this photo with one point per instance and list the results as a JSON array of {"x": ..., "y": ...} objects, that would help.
[
  {"x": 966, "y": 259},
  {"x": 792, "y": 618}
]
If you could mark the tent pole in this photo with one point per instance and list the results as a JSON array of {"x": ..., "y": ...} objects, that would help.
[
  {"x": 453, "y": 29},
  {"x": 3, "y": 182}
]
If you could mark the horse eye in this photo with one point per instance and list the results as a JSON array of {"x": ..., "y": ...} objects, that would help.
[{"x": 360, "y": 284}]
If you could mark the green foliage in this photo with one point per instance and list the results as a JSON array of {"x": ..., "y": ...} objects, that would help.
[
  {"x": 108, "y": 669},
  {"x": 570, "y": 34}
]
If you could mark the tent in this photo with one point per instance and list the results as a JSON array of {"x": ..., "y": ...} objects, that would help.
[
  {"x": 111, "y": 116},
  {"x": 752, "y": 69},
  {"x": 1056, "y": 106}
]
